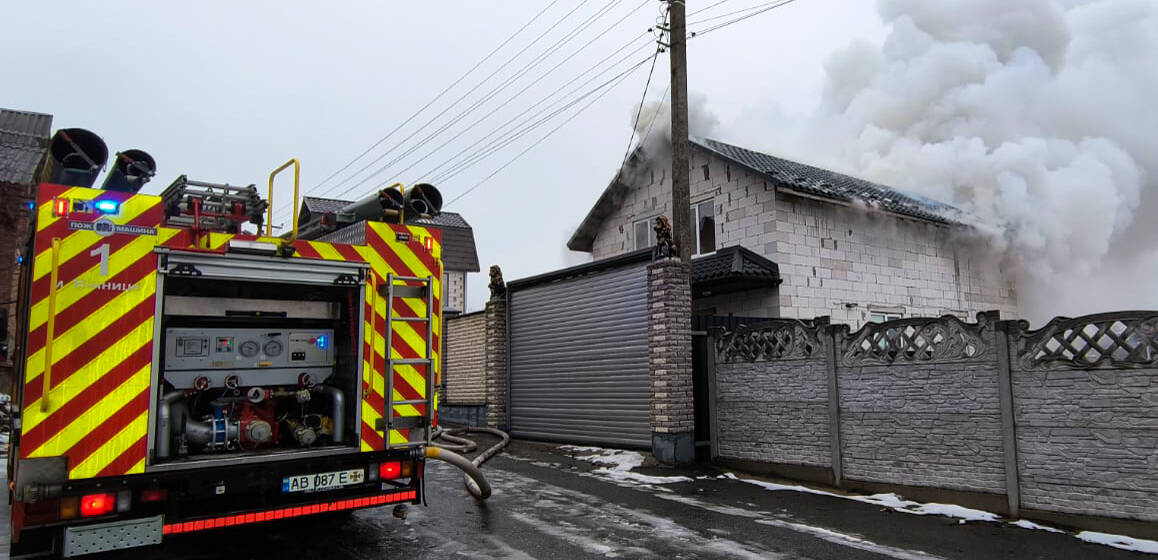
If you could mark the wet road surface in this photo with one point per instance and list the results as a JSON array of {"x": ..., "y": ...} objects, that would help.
[{"x": 547, "y": 504}]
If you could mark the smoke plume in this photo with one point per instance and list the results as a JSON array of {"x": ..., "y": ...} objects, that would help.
[{"x": 1037, "y": 117}]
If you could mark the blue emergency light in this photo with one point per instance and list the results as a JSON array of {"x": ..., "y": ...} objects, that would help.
[
  {"x": 107, "y": 206},
  {"x": 322, "y": 342}
]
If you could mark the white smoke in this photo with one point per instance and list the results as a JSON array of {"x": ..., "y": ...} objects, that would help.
[{"x": 1038, "y": 117}]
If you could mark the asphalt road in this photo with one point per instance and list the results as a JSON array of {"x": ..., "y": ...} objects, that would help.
[{"x": 548, "y": 504}]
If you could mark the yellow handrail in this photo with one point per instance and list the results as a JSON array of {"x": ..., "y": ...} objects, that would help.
[
  {"x": 297, "y": 177},
  {"x": 50, "y": 327}
]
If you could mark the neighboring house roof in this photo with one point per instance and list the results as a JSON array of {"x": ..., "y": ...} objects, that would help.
[
  {"x": 458, "y": 249},
  {"x": 732, "y": 269},
  {"x": 785, "y": 174},
  {"x": 23, "y": 142},
  {"x": 459, "y": 252}
]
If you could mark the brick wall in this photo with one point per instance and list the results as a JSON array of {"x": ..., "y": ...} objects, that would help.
[
  {"x": 464, "y": 372},
  {"x": 14, "y": 230},
  {"x": 1060, "y": 420},
  {"x": 669, "y": 346},
  {"x": 836, "y": 260},
  {"x": 495, "y": 368}
]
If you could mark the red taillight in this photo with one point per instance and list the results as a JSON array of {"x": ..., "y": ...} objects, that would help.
[
  {"x": 154, "y": 495},
  {"x": 390, "y": 470},
  {"x": 97, "y": 504},
  {"x": 60, "y": 207}
]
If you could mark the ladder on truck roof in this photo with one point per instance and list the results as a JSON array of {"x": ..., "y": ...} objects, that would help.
[{"x": 413, "y": 288}]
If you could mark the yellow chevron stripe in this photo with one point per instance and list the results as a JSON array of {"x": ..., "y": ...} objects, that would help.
[
  {"x": 89, "y": 373},
  {"x": 79, "y": 243},
  {"x": 108, "y": 452},
  {"x": 44, "y": 216},
  {"x": 69, "y": 294},
  {"x": 397, "y": 439},
  {"x": 80, "y": 426},
  {"x": 327, "y": 251}
]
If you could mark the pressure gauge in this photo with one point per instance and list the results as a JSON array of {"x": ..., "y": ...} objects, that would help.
[
  {"x": 249, "y": 348},
  {"x": 273, "y": 348}
]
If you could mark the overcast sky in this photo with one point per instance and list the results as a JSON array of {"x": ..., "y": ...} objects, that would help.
[{"x": 225, "y": 92}]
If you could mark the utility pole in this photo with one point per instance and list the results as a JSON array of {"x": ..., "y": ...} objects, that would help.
[{"x": 681, "y": 208}]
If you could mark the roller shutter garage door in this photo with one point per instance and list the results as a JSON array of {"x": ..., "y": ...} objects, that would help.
[{"x": 579, "y": 369}]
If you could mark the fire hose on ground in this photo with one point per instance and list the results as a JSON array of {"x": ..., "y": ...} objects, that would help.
[{"x": 476, "y": 483}]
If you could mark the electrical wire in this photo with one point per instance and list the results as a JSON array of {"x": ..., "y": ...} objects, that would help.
[
  {"x": 456, "y": 101},
  {"x": 706, "y": 9},
  {"x": 639, "y": 111},
  {"x": 439, "y": 96},
  {"x": 493, "y": 111},
  {"x": 463, "y": 159},
  {"x": 739, "y": 19},
  {"x": 662, "y": 96},
  {"x": 545, "y": 136},
  {"x": 527, "y": 129}
]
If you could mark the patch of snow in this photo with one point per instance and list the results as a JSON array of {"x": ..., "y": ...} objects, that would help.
[
  {"x": 1026, "y": 524},
  {"x": 1120, "y": 541},
  {"x": 959, "y": 512},
  {"x": 620, "y": 464}
]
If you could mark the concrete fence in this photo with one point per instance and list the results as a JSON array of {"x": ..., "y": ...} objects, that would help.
[{"x": 1058, "y": 423}]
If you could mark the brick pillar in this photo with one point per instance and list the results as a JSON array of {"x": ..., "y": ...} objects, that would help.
[
  {"x": 496, "y": 362},
  {"x": 669, "y": 357}
]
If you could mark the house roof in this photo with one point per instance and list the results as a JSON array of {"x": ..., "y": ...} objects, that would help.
[
  {"x": 732, "y": 269},
  {"x": 831, "y": 185},
  {"x": 23, "y": 142},
  {"x": 459, "y": 252},
  {"x": 458, "y": 249},
  {"x": 785, "y": 174}
]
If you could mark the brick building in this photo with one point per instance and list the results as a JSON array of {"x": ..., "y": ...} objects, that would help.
[
  {"x": 800, "y": 242},
  {"x": 23, "y": 144}
]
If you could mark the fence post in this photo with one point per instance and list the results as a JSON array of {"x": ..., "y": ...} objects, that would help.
[
  {"x": 713, "y": 391},
  {"x": 827, "y": 333},
  {"x": 496, "y": 370},
  {"x": 1008, "y": 425}
]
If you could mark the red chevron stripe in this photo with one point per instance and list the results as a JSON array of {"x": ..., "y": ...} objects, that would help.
[
  {"x": 94, "y": 440},
  {"x": 304, "y": 249},
  {"x": 70, "y": 410},
  {"x": 348, "y": 252},
  {"x": 63, "y": 368},
  {"x": 372, "y": 437},
  {"x": 90, "y": 303},
  {"x": 387, "y": 253},
  {"x": 415, "y": 248},
  {"x": 126, "y": 460}
]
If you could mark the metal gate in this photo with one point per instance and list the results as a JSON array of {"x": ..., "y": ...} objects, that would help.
[{"x": 578, "y": 360}]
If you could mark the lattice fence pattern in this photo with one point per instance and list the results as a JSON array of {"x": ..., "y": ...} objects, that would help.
[
  {"x": 777, "y": 339},
  {"x": 1123, "y": 339},
  {"x": 916, "y": 340}
]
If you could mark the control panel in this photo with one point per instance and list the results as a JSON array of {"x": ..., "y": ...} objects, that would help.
[
  {"x": 192, "y": 348},
  {"x": 247, "y": 357}
]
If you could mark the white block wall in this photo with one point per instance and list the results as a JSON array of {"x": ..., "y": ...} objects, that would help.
[
  {"x": 454, "y": 290},
  {"x": 835, "y": 259}
]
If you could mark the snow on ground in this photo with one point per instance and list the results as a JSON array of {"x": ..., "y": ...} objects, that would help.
[
  {"x": 1119, "y": 541},
  {"x": 897, "y": 503},
  {"x": 619, "y": 465}
]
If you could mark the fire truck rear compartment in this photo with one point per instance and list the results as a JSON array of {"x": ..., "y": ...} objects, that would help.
[{"x": 255, "y": 369}]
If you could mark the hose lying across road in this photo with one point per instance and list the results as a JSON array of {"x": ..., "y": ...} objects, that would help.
[{"x": 476, "y": 483}]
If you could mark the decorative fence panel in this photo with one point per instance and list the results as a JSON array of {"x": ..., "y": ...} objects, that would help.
[{"x": 1062, "y": 419}]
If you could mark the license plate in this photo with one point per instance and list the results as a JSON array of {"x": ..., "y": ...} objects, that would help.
[{"x": 322, "y": 481}]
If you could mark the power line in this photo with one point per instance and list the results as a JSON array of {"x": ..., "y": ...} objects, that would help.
[
  {"x": 556, "y": 66},
  {"x": 453, "y": 163},
  {"x": 439, "y": 96},
  {"x": 706, "y": 9},
  {"x": 545, "y": 136},
  {"x": 527, "y": 129},
  {"x": 639, "y": 111},
  {"x": 710, "y": 29},
  {"x": 463, "y": 96},
  {"x": 662, "y": 96}
]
